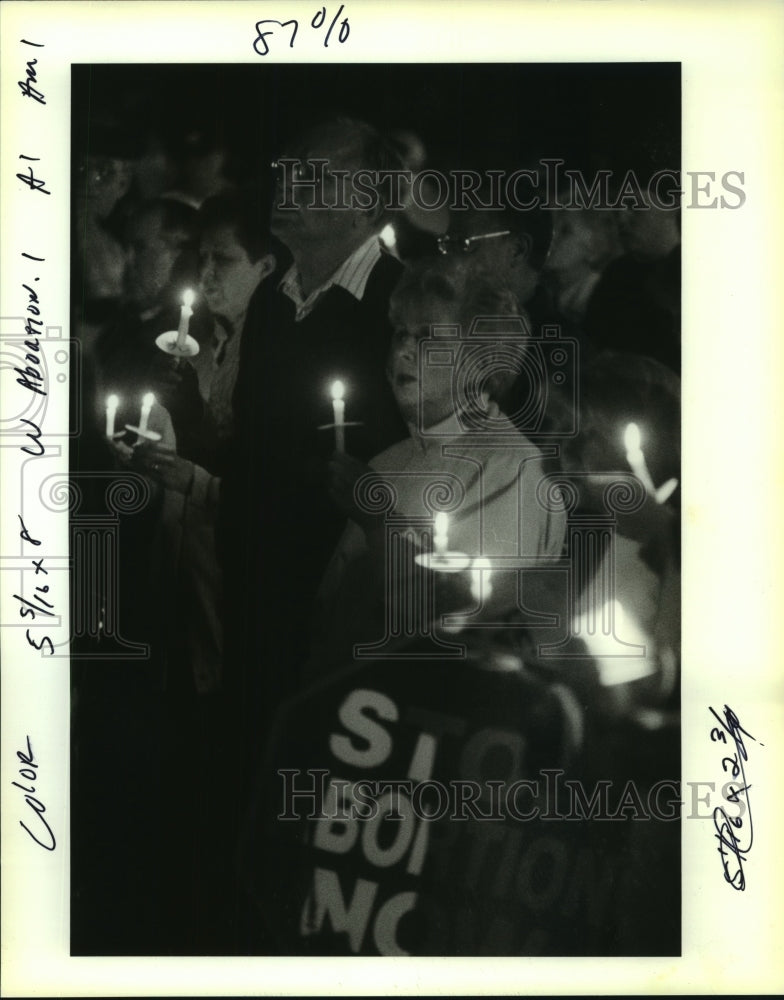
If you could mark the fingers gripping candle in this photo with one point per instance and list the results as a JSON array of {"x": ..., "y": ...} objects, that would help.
[{"x": 481, "y": 587}]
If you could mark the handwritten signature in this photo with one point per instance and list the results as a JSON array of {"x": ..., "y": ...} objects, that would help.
[
  {"x": 734, "y": 846},
  {"x": 29, "y": 772}
]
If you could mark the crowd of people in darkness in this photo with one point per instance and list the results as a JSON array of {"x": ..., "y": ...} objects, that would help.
[{"x": 506, "y": 368}]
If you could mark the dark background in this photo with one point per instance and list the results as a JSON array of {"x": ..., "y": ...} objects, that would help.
[
  {"x": 132, "y": 866},
  {"x": 617, "y": 116}
]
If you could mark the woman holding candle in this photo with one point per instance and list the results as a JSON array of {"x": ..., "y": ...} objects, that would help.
[
  {"x": 457, "y": 436},
  {"x": 204, "y": 696},
  {"x": 234, "y": 257},
  {"x": 630, "y": 427}
]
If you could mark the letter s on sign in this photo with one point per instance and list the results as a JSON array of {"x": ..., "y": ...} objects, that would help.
[{"x": 353, "y": 715}]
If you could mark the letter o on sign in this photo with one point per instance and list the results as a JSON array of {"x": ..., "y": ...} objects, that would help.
[{"x": 385, "y": 857}]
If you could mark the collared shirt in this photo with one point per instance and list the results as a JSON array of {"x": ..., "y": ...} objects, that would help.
[
  {"x": 352, "y": 275},
  {"x": 217, "y": 366},
  {"x": 493, "y": 486},
  {"x": 494, "y": 478}
]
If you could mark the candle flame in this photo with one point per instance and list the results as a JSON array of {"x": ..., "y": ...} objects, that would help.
[
  {"x": 388, "y": 237},
  {"x": 441, "y": 523},
  {"x": 112, "y": 402},
  {"x": 338, "y": 390},
  {"x": 631, "y": 438},
  {"x": 147, "y": 400},
  {"x": 664, "y": 492},
  {"x": 188, "y": 297}
]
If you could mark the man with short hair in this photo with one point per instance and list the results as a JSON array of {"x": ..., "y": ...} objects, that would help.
[
  {"x": 513, "y": 244},
  {"x": 160, "y": 265},
  {"x": 325, "y": 319},
  {"x": 636, "y": 305}
]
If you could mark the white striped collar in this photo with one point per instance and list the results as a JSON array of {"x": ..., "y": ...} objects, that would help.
[{"x": 352, "y": 275}]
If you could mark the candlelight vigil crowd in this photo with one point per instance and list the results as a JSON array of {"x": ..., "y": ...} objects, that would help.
[{"x": 371, "y": 492}]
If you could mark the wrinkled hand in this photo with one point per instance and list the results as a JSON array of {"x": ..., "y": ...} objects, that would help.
[
  {"x": 165, "y": 466},
  {"x": 122, "y": 453}
]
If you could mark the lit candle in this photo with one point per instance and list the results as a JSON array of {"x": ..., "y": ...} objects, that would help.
[
  {"x": 605, "y": 631},
  {"x": 636, "y": 458},
  {"x": 481, "y": 588},
  {"x": 388, "y": 237},
  {"x": 112, "y": 402},
  {"x": 441, "y": 534},
  {"x": 185, "y": 314},
  {"x": 147, "y": 401},
  {"x": 339, "y": 410},
  {"x": 664, "y": 492}
]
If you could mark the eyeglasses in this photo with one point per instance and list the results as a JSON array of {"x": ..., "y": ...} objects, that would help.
[
  {"x": 304, "y": 169},
  {"x": 466, "y": 244}
]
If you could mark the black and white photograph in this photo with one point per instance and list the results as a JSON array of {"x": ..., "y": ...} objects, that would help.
[
  {"x": 377, "y": 419},
  {"x": 387, "y": 373}
]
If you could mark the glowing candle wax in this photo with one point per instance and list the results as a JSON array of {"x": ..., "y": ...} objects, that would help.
[
  {"x": 441, "y": 534},
  {"x": 481, "y": 587},
  {"x": 614, "y": 668},
  {"x": 185, "y": 314},
  {"x": 663, "y": 493},
  {"x": 339, "y": 410},
  {"x": 147, "y": 403},
  {"x": 112, "y": 402},
  {"x": 636, "y": 458}
]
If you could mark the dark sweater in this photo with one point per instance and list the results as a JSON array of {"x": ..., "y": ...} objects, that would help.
[
  {"x": 278, "y": 526},
  {"x": 636, "y": 307}
]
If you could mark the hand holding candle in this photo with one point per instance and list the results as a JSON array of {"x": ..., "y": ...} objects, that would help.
[
  {"x": 112, "y": 402},
  {"x": 147, "y": 403},
  {"x": 185, "y": 314},
  {"x": 481, "y": 587},
  {"x": 442, "y": 559},
  {"x": 339, "y": 410},
  {"x": 636, "y": 458}
]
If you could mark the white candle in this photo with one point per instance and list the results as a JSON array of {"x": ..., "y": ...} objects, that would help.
[
  {"x": 185, "y": 314},
  {"x": 605, "y": 631},
  {"x": 441, "y": 534},
  {"x": 663, "y": 493},
  {"x": 112, "y": 402},
  {"x": 636, "y": 458},
  {"x": 481, "y": 587},
  {"x": 147, "y": 402},
  {"x": 339, "y": 410}
]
